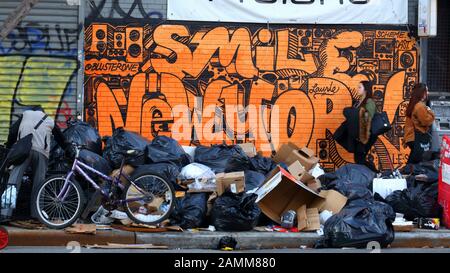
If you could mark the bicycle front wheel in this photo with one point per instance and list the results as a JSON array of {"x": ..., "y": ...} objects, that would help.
[
  {"x": 54, "y": 212},
  {"x": 150, "y": 199}
]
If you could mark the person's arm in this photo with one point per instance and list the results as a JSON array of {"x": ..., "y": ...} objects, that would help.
[
  {"x": 371, "y": 108},
  {"x": 13, "y": 133},
  {"x": 424, "y": 115},
  {"x": 59, "y": 137}
]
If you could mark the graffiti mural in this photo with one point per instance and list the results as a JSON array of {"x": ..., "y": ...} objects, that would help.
[{"x": 217, "y": 83}]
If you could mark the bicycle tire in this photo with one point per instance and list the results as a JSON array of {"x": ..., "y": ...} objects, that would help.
[
  {"x": 135, "y": 177},
  {"x": 73, "y": 219}
]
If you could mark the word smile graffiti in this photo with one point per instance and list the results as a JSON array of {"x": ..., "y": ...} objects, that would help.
[{"x": 209, "y": 84}]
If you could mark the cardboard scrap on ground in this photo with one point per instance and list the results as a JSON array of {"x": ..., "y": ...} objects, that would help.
[
  {"x": 28, "y": 224},
  {"x": 82, "y": 229},
  {"x": 133, "y": 227},
  {"x": 126, "y": 246}
]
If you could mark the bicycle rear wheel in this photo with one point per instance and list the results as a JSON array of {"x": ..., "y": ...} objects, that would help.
[
  {"x": 150, "y": 200},
  {"x": 55, "y": 213}
]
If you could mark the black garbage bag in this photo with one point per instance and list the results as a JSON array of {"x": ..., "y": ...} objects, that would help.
[
  {"x": 429, "y": 169},
  {"x": 357, "y": 174},
  {"x": 77, "y": 132},
  {"x": 235, "y": 212},
  {"x": 82, "y": 133},
  {"x": 359, "y": 223},
  {"x": 166, "y": 149},
  {"x": 95, "y": 161},
  {"x": 190, "y": 211},
  {"x": 218, "y": 157},
  {"x": 122, "y": 141},
  {"x": 167, "y": 171},
  {"x": 253, "y": 180},
  {"x": 262, "y": 164},
  {"x": 57, "y": 162},
  {"x": 238, "y": 163},
  {"x": 416, "y": 202},
  {"x": 350, "y": 190}
]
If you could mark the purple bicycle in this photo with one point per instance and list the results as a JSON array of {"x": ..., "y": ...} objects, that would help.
[{"x": 146, "y": 197}]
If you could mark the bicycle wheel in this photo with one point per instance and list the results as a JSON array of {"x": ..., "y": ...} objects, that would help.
[
  {"x": 152, "y": 199},
  {"x": 54, "y": 213}
]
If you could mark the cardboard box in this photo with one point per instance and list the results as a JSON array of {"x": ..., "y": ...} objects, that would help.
[
  {"x": 299, "y": 172},
  {"x": 249, "y": 149},
  {"x": 289, "y": 153},
  {"x": 314, "y": 185},
  {"x": 282, "y": 192},
  {"x": 308, "y": 219},
  {"x": 234, "y": 181}
]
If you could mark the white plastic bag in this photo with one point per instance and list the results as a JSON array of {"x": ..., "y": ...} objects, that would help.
[
  {"x": 197, "y": 171},
  {"x": 9, "y": 197}
]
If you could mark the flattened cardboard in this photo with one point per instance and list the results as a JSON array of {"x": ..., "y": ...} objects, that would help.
[
  {"x": 282, "y": 192},
  {"x": 234, "y": 181}
]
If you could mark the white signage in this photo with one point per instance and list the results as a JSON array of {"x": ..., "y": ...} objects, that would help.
[{"x": 291, "y": 11}]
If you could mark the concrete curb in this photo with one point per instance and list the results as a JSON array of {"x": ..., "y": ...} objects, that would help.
[
  {"x": 24, "y": 237},
  {"x": 246, "y": 240},
  {"x": 209, "y": 240}
]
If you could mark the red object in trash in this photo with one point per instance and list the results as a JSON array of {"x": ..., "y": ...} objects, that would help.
[
  {"x": 4, "y": 238},
  {"x": 444, "y": 180}
]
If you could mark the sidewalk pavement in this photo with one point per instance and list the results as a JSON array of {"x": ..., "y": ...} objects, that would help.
[{"x": 208, "y": 240}]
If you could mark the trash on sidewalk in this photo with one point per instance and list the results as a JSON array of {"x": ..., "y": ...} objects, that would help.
[
  {"x": 164, "y": 149},
  {"x": 126, "y": 246},
  {"x": 359, "y": 223},
  {"x": 28, "y": 224},
  {"x": 217, "y": 157},
  {"x": 253, "y": 180},
  {"x": 288, "y": 219},
  {"x": 282, "y": 192},
  {"x": 82, "y": 229},
  {"x": 122, "y": 141},
  {"x": 263, "y": 165},
  {"x": 444, "y": 181},
  {"x": 234, "y": 182},
  {"x": 198, "y": 178},
  {"x": 133, "y": 227},
  {"x": 289, "y": 153},
  {"x": 429, "y": 223},
  {"x": 77, "y": 132},
  {"x": 227, "y": 243},
  {"x": 401, "y": 225},
  {"x": 352, "y": 180},
  {"x": 416, "y": 201},
  {"x": 385, "y": 187},
  {"x": 235, "y": 212},
  {"x": 189, "y": 211},
  {"x": 127, "y": 170}
]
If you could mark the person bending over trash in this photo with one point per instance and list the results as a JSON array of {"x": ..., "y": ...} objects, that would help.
[{"x": 36, "y": 122}]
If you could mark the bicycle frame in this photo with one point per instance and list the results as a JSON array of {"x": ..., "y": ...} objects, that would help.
[{"x": 78, "y": 167}]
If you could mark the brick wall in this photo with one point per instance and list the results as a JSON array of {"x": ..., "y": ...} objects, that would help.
[{"x": 212, "y": 82}]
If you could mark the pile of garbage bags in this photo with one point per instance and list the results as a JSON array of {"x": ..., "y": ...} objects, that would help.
[
  {"x": 419, "y": 199},
  {"x": 359, "y": 223},
  {"x": 362, "y": 220}
]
